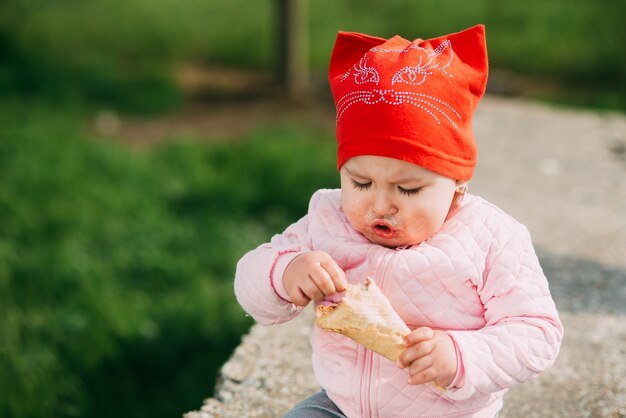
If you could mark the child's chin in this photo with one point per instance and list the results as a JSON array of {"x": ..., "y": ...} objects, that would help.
[
  {"x": 394, "y": 242},
  {"x": 386, "y": 242}
]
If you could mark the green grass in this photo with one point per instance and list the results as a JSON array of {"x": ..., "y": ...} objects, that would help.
[{"x": 116, "y": 267}]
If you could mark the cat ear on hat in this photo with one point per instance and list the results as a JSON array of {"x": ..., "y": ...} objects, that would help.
[
  {"x": 470, "y": 47},
  {"x": 349, "y": 48}
]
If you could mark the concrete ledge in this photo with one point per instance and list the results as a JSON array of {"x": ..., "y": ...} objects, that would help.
[{"x": 270, "y": 371}]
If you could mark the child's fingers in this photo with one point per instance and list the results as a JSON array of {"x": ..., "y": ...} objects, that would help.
[
  {"x": 311, "y": 290},
  {"x": 419, "y": 335},
  {"x": 298, "y": 297},
  {"x": 415, "y": 352},
  {"x": 423, "y": 376},
  {"x": 335, "y": 273},
  {"x": 420, "y": 365},
  {"x": 323, "y": 281}
]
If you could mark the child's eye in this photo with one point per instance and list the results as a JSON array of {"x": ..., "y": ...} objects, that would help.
[
  {"x": 409, "y": 192},
  {"x": 360, "y": 186}
]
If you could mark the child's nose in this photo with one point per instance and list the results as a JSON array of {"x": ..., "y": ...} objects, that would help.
[{"x": 384, "y": 205}]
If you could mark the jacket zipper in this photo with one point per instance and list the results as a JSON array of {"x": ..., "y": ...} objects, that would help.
[
  {"x": 366, "y": 377},
  {"x": 365, "y": 385}
]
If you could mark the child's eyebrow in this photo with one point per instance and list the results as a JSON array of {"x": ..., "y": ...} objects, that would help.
[
  {"x": 353, "y": 173},
  {"x": 399, "y": 180},
  {"x": 408, "y": 179}
]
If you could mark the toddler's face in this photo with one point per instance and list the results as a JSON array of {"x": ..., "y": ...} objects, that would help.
[{"x": 393, "y": 202}]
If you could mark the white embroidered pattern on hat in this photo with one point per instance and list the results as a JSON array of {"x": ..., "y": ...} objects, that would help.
[
  {"x": 414, "y": 75},
  {"x": 365, "y": 74}
]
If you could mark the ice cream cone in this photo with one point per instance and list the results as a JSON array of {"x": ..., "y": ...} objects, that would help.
[{"x": 365, "y": 315}]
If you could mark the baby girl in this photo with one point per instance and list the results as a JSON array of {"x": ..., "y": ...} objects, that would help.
[{"x": 461, "y": 273}]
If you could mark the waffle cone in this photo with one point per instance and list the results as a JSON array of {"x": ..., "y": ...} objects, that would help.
[{"x": 365, "y": 315}]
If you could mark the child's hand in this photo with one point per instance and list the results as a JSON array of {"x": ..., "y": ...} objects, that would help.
[
  {"x": 430, "y": 356},
  {"x": 313, "y": 275}
]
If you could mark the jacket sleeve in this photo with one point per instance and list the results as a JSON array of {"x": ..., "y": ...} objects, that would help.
[
  {"x": 523, "y": 333},
  {"x": 258, "y": 277}
]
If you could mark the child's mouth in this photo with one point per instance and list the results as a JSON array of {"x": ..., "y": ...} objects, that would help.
[{"x": 383, "y": 229}]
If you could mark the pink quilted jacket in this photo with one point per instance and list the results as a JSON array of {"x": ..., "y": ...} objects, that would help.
[{"x": 478, "y": 278}]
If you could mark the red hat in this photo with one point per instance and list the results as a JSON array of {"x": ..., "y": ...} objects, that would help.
[{"x": 412, "y": 101}]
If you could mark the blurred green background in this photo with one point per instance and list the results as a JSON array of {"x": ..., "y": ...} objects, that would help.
[{"x": 116, "y": 261}]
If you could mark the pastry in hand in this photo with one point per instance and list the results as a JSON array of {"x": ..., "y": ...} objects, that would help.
[{"x": 365, "y": 315}]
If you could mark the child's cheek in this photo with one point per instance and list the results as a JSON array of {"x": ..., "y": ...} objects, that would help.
[
  {"x": 353, "y": 218},
  {"x": 356, "y": 218}
]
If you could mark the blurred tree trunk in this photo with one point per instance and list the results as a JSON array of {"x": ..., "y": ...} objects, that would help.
[{"x": 293, "y": 33}]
